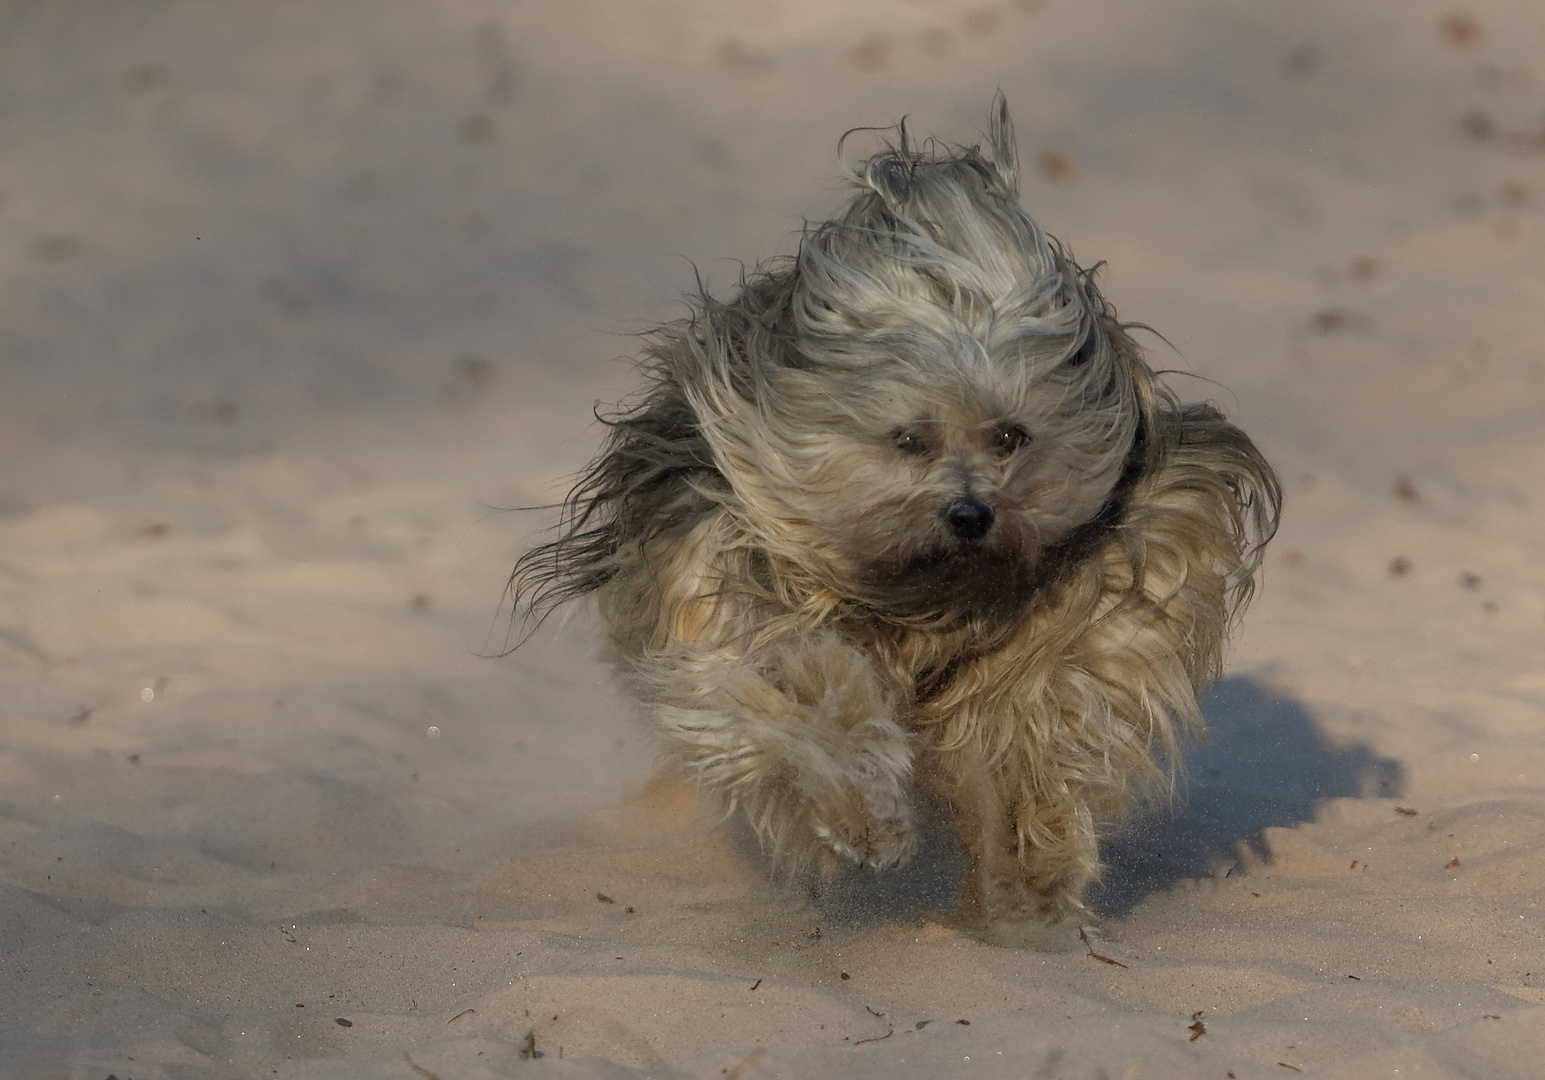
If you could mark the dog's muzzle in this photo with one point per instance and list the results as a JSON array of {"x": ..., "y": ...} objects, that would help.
[{"x": 968, "y": 518}]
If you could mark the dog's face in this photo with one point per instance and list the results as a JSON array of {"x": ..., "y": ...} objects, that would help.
[{"x": 940, "y": 482}]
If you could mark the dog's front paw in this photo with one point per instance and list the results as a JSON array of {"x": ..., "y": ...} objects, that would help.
[
  {"x": 878, "y": 843},
  {"x": 868, "y": 824},
  {"x": 863, "y": 810}
]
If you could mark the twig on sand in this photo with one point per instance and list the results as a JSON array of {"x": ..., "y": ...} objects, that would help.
[
  {"x": 877, "y": 1038},
  {"x": 1102, "y": 959}
]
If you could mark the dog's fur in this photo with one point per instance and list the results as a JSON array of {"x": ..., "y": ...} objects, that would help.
[{"x": 911, "y": 509}]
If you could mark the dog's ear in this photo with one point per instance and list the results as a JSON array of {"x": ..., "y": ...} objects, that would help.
[{"x": 1005, "y": 153}]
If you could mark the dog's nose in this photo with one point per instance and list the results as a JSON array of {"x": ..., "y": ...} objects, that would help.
[{"x": 968, "y": 518}]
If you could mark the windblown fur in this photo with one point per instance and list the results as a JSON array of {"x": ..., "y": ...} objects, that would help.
[{"x": 912, "y": 510}]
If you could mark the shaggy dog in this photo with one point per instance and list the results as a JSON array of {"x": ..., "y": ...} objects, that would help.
[{"x": 912, "y": 513}]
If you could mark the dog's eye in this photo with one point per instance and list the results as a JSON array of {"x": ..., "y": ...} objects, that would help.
[
  {"x": 1009, "y": 438},
  {"x": 909, "y": 442}
]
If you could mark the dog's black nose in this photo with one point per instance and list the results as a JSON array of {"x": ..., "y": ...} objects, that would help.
[{"x": 968, "y": 519}]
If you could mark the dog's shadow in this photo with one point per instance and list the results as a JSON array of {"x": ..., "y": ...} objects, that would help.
[{"x": 1264, "y": 765}]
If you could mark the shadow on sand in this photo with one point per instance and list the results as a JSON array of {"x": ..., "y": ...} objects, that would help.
[{"x": 1264, "y": 765}]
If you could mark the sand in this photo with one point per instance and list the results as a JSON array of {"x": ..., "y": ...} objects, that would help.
[{"x": 297, "y": 298}]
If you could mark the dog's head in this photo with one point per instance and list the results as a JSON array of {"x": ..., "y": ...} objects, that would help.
[{"x": 932, "y": 402}]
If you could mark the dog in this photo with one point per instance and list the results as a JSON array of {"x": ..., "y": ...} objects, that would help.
[{"x": 911, "y": 514}]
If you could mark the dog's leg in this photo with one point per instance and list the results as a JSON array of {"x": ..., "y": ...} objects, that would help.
[
  {"x": 802, "y": 735},
  {"x": 1027, "y": 864}
]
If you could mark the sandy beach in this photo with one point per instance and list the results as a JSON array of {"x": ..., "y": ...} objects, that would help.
[{"x": 298, "y": 300}]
